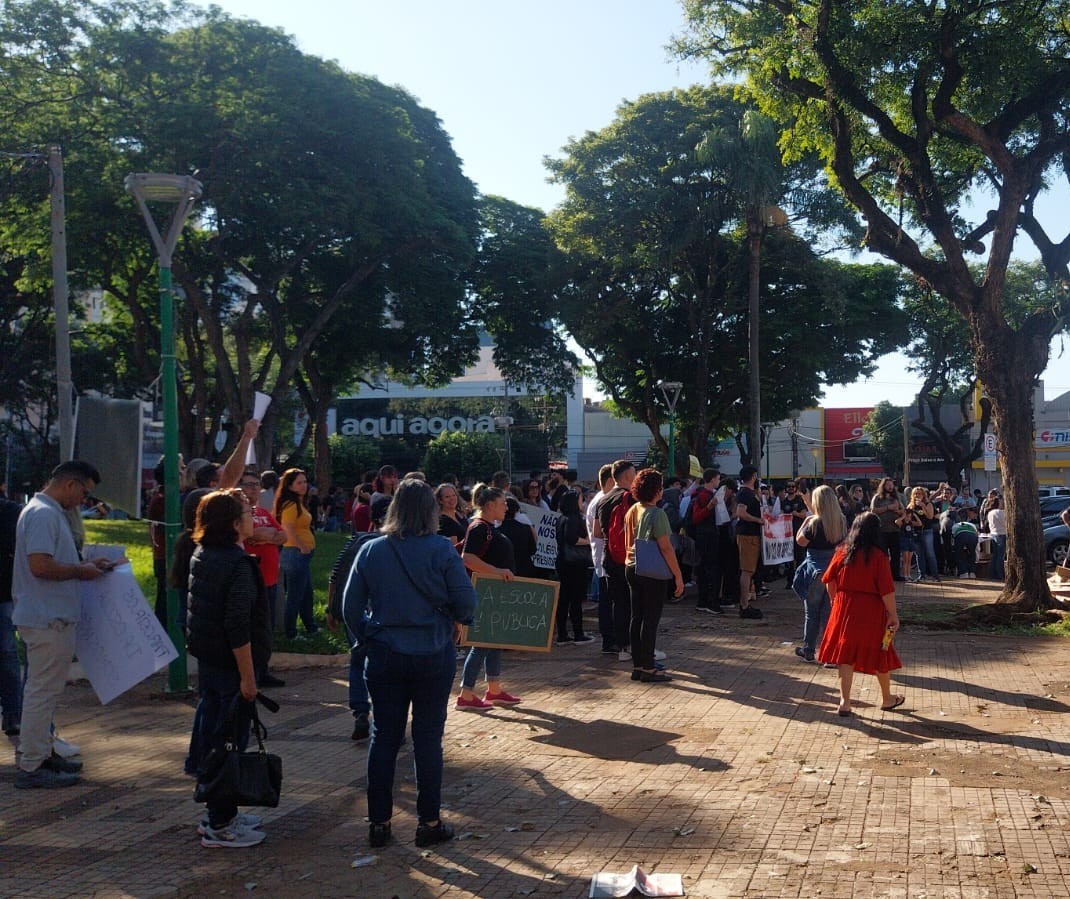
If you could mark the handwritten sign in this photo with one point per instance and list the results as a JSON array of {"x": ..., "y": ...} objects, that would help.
[
  {"x": 516, "y": 614},
  {"x": 120, "y": 642},
  {"x": 545, "y": 523},
  {"x": 778, "y": 545}
]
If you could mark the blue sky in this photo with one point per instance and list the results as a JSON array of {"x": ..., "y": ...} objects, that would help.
[{"x": 512, "y": 82}]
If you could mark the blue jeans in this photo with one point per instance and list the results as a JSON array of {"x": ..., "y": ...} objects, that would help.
[
  {"x": 10, "y": 675},
  {"x": 296, "y": 566},
  {"x": 999, "y": 554},
  {"x": 358, "y": 690},
  {"x": 218, "y": 689},
  {"x": 479, "y": 656},
  {"x": 396, "y": 681},
  {"x": 927, "y": 554}
]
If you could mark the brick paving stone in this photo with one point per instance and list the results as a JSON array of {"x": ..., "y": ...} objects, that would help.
[{"x": 738, "y": 775}]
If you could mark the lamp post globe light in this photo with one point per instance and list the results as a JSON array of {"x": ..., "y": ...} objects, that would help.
[
  {"x": 179, "y": 192},
  {"x": 671, "y": 391}
]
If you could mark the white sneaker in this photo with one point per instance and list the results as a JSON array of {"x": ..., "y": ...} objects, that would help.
[
  {"x": 660, "y": 656},
  {"x": 964, "y": 576},
  {"x": 625, "y": 655},
  {"x": 231, "y": 836},
  {"x": 248, "y": 822},
  {"x": 64, "y": 749}
]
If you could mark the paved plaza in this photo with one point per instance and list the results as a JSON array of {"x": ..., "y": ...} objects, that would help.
[{"x": 738, "y": 775}]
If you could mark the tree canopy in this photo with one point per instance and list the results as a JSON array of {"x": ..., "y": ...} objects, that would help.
[
  {"x": 655, "y": 280},
  {"x": 919, "y": 108}
]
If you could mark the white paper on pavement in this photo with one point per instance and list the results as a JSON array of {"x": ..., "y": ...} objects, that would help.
[
  {"x": 613, "y": 886},
  {"x": 120, "y": 642},
  {"x": 261, "y": 401}
]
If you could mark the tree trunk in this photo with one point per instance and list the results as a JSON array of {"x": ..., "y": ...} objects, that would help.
[
  {"x": 1009, "y": 375},
  {"x": 754, "y": 240}
]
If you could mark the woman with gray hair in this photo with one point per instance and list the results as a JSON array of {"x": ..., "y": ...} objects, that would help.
[{"x": 405, "y": 600}]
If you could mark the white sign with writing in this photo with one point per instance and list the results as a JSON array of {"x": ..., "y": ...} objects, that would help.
[
  {"x": 545, "y": 523},
  {"x": 120, "y": 642},
  {"x": 778, "y": 547}
]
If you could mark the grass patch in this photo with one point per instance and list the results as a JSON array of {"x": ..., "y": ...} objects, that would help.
[{"x": 134, "y": 535}]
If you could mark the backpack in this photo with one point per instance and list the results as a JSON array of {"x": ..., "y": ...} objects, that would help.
[
  {"x": 688, "y": 523},
  {"x": 615, "y": 536}
]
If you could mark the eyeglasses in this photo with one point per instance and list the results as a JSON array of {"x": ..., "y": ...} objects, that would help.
[{"x": 252, "y": 485}]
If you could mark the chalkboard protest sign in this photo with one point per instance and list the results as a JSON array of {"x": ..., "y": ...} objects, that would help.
[{"x": 516, "y": 614}]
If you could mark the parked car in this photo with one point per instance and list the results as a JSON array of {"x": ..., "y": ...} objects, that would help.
[
  {"x": 1051, "y": 507},
  {"x": 1050, "y": 490},
  {"x": 1056, "y": 543}
]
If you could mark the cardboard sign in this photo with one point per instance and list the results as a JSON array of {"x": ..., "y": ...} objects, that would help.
[
  {"x": 516, "y": 614},
  {"x": 120, "y": 642}
]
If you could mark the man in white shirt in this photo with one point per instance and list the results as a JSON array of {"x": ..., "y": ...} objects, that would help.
[{"x": 598, "y": 550}]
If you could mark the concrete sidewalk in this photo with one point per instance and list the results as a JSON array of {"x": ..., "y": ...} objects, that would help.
[{"x": 737, "y": 775}]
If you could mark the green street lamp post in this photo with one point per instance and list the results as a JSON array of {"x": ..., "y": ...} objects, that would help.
[
  {"x": 671, "y": 391},
  {"x": 181, "y": 192}
]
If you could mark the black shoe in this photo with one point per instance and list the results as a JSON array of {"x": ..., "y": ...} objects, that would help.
[
  {"x": 803, "y": 654},
  {"x": 712, "y": 610},
  {"x": 563, "y": 641},
  {"x": 267, "y": 679},
  {"x": 583, "y": 638},
  {"x": 11, "y": 730},
  {"x": 637, "y": 673},
  {"x": 426, "y": 835},
  {"x": 378, "y": 835},
  {"x": 655, "y": 677},
  {"x": 61, "y": 765},
  {"x": 751, "y": 612},
  {"x": 361, "y": 728},
  {"x": 610, "y": 649}
]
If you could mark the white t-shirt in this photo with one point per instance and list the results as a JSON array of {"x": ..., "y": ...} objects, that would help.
[
  {"x": 997, "y": 522},
  {"x": 598, "y": 544}
]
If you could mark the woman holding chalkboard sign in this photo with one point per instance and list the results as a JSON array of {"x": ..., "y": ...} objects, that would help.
[{"x": 486, "y": 551}]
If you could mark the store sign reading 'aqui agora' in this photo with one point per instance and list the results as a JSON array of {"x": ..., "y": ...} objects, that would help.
[{"x": 398, "y": 425}]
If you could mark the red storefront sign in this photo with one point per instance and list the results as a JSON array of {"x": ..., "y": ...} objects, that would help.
[{"x": 847, "y": 453}]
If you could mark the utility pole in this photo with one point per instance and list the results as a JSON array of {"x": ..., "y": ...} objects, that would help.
[
  {"x": 61, "y": 300},
  {"x": 795, "y": 447},
  {"x": 906, "y": 451}
]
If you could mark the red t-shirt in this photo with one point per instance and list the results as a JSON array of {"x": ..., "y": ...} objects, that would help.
[{"x": 267, "y": 553}]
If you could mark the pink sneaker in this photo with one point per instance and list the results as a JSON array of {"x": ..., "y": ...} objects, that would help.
[
  {"x": 502, "y": 698},
  {"x": 474, "y": 704}
]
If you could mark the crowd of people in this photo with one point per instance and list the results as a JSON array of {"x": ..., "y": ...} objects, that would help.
[{"x": 401, "y": 590}]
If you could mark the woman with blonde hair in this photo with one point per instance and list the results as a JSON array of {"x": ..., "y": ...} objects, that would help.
[{"x": 820, "y": 534}]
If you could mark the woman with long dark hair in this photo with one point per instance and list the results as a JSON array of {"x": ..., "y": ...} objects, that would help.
[
  {"x": 230, "y": 636},
  {"x": 405, "y": 599},
  {"x": 573, "y": 568},
  {"x": 864, "y": 618},
  {"x": 295, "y": 560}
]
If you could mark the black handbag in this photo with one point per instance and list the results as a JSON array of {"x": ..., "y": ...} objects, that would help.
[
  {"x": 228, "y": 775},
  {"x": 571, "y": 555}
]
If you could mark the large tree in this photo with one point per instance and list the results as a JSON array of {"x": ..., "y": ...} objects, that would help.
[
  {"x": 657, "y": 276},
  {"x": 917, "y": 108}
]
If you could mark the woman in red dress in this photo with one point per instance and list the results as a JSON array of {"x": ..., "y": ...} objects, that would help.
[{"x": 859, "y": 580}]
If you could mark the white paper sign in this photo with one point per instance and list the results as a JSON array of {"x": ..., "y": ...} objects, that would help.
[
  {"x": 778, "y": 546},
  {"x": 261, "y": 401},
  {"x": 545, "y": 535},
  {"x": 120, "y": 642}
]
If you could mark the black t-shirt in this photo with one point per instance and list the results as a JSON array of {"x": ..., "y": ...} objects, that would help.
[
  {"x": 523, "y": 542},
  {"x": 490, "y": 544},
  {"x": 452, "y": 528},
  {"x": 815, "y": 533},
  {"x": 790, "y": 506},
  {"x": 749, "y": 500}
]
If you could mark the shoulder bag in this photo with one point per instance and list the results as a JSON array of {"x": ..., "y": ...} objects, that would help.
[
  {"x": 229, "y": 775},
  {"x": 649, "y": 562}
]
